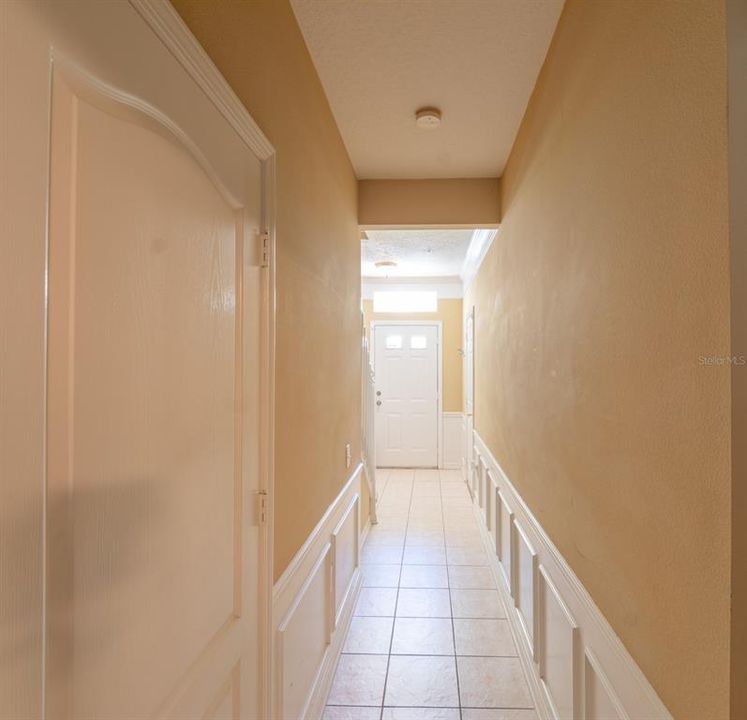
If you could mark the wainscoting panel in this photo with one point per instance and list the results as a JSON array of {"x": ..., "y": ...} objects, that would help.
[
  {"x": 576, "y": 665},
  {"x": 453, "y": 440},
  {"x": 474, "y": 478},
  {"x": 558, "y": 635},
  {"x": 485, "y": 481},
  {"x": 505, "y": 543},
  {"x": 600, "y": 701},
  {"x": 526, "y": 586},
  {"x": 313, "y": 603},
  {"x": 491, "y": 517},
  {"x": 303, "y": 636},
  {"x": 345, "y": 539}
]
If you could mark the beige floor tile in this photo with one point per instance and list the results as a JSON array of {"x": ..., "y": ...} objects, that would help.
[
  {"x": 416, "y": 555},
  {"x": 350, "y": 712},
  {"x": 381, "y": 554},
  {"x": 425, "y": 539},
  {"x": 370, "y": 635},
  {"x": 465, "y": 576},
  {"x": 484, "y": 714},
  {"x": 423, "y": 636},
  {"x": 424, "y": 576},
  {"x": 452, "y": 490},
  {"x": 410, "y": 713},
  {"x": 376, "y": 602},
  {"x": 380, "y": 575},
  {"x": 466, "y": 556},
  {"x": 386, "y": 537},
  {"x": 476, "y": 603},
  {"x": 359, "y": 680},
  {"x": 378, "y": 543},
  {"x": 421, "y": 682},
  {"x": 424, "y": 603},
  {"x": 492, "y": 682},
  {"x": 483, "y": 637},
  {"x": 462, "y": 538}
]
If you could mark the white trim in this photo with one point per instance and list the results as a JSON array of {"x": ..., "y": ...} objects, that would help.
[
  {"x": 453, "y": 440},
  {"x": 628, "y": 690},
  {"x": 177, "y": 37},
  {"x": 173, "y": 32},
  {"x": 440, "y": 370},
  {"x": 299, "y": 558},
  {"x": 478, "y": 248},
  {"x": 308, "y": 614}
]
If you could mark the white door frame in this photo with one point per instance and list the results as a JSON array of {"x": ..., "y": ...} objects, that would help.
[
  {"x": 438, "y": 324},
  {"x": 173, "y": 32}
]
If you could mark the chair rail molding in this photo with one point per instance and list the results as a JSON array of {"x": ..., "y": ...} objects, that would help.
[
  {"x": 575, "y": 663},
  {"x": 313, "y": 602}
]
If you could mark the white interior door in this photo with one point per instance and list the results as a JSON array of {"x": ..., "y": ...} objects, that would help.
[
  {"x": 406, "y": 369},
  {"x": 469, "y": 393},
  {"x": 150, "y": 606}
]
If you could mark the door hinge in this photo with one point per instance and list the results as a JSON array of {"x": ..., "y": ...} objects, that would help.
[
  {"x": 264, "y": 248},
  {"x": 261, "y": 511}
]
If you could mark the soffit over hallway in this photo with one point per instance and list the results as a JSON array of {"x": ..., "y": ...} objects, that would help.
[
  {"x": 380, "y": 61},
  {"x": 414, "y": 253}
]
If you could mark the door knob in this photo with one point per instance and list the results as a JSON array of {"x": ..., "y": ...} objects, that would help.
[
  {"x": 378, "y": 392},
  {"x": 378, "y": 402}
]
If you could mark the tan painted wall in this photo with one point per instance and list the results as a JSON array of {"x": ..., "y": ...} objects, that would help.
[
  {"x": 608, "y": 282},
  {"x": 465, "y": 202},
  {"x": 450, "y": 314},
  {"x": 737, "y": 16},
  {"x": 258, "y": 47}
]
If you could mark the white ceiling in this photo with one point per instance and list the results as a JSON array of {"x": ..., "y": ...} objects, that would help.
[
  {"x": 418, "y": 253},
  {"x": 381, "y": 60}
]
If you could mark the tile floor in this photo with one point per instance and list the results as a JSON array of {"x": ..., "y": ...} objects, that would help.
[{"x": 429, "y": 639}]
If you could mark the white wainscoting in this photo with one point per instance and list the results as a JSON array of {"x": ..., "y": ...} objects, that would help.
[
  {"x": 453, "y": 440},
  {"x": 576, "y": 665},
  {"x": 313, "y": 603}
]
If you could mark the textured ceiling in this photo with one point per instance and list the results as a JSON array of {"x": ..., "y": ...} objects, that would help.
[
  {"x": 418, "y": 253},
  {"x": 380, "y": 60}
]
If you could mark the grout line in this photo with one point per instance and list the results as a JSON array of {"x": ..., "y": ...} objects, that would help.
[
  {"x": 396, "y": 602},
  {"x": 451, "y": 608},
  {"x": 394, "y": 487}
]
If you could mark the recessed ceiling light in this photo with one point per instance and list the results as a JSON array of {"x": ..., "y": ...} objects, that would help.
[
  {"x": 428, "y": 118},
  {"x": 385, "y": 263}
]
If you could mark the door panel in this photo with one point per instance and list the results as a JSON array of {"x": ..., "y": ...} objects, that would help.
[
  {"x": 406, "y": 370},
  {"x": 152, "y": 378}
]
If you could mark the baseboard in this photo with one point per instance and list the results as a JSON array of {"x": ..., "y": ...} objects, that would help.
[
  {"x": 576, "y": 665},
  {"x": 453, "y": 440},
  {"x": 313, "y": 604}
]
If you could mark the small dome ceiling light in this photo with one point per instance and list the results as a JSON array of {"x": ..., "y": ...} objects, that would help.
[{"x": 428, "y": 118}]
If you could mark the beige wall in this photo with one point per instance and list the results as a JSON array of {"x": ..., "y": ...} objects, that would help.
[
  {"x": 465, "y": 202},
  {"x": 450, "y": 314},
  {"x": 259, "y": 49},
  {"x": 608, "y": 282},
  {"x": 737, "y": 12}
]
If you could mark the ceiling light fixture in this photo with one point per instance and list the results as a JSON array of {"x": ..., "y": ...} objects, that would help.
[
  {"x": 428, "y": 118},
  {"x": 385, "y": 263}
]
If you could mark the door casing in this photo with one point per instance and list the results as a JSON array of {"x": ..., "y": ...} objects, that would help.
[
  {"x": 173, "y": 32},
  {"x": 438, "y": 324}
]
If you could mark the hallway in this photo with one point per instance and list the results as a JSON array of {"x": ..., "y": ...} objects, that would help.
[{"x": 429, "y": 639}]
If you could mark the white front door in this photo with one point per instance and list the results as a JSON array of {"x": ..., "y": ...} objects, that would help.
[
  {"x": 406, "y": 369},
  {"x": 149, "y": 377}
]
